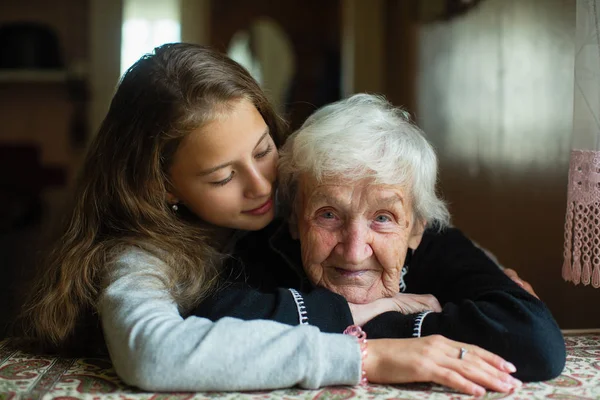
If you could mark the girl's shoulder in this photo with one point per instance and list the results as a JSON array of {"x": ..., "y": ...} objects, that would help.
[
  {"x": 131, "y": 254},
  {"x": 135, "y": 259}
]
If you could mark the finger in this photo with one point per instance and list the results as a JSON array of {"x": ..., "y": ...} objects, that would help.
[
  {"x": 455, "y": 380},
  {"x": 452, "y": 350},
  {"x": 511, "y": 273},
  {"x": 431, "y": 306},
  {"x": 435, "y": 305},
  {"x": 431, "y": 302},
  {"x": 490, "y": 358},
  {"x": 473, "y": 373},
  {"x": 474, "y": 368},
  {"x": 530, "y": 290},
  {"x": 518, "y": 282}
]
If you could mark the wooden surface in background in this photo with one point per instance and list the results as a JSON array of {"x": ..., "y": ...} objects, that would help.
[{"x": 494, "y": 95}]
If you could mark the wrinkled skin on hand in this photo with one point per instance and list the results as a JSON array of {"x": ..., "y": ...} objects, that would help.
[{"x": 405, "y": 303}]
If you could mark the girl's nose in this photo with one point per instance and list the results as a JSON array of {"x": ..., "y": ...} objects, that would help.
[{"x": 258, "y": 184}]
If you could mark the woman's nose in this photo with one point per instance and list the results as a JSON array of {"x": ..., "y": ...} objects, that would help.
[{"x": 355, "y": 246}]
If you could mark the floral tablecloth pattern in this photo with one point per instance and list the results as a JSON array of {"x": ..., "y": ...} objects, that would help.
[{"x": 26, "y": 376}]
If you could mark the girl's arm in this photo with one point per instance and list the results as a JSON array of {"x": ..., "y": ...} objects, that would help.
[{"x": 154, "y": 348}]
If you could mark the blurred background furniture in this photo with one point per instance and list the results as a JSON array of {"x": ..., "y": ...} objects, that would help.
[{"x": 22, "y": 209}]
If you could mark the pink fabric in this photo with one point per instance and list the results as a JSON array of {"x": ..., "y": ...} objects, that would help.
[
  {"x": 361, "y": 336},
  {"x": 582, "y": 225}
]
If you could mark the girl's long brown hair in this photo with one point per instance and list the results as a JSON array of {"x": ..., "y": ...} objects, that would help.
[{"x": 120, "y": 196}]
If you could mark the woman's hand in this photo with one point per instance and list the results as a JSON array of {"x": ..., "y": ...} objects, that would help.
[
  {"x": 512, "y": 274},
  {"x": 404, "y": 303},
  {"x": 436, "y": 359}
]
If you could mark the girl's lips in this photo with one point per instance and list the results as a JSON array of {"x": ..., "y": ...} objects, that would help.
[{"x": 265, "y": 208}]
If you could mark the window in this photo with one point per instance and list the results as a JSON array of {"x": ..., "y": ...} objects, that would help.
[{"x": 147, "y": 24}]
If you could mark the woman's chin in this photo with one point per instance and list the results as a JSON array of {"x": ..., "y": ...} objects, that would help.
[{"x": 356, "y": 295}]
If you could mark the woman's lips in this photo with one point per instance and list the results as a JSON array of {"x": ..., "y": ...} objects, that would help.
[
  {"x": 349, "y": 273},
  {"x": 265, "y": 208}
]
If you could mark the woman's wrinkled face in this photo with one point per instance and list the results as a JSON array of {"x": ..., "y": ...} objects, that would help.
[
  {"x": 225, "y": 171},
  {"x": 355, "y": 236}
]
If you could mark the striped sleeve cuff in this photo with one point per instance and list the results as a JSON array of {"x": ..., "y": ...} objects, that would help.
[
  {"x": 419, "y": 323},
  {"x": 302, "y": 314}
]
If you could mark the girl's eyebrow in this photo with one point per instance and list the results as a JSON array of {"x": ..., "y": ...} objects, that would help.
[
  {"x": 227, "y": 164},
  {"x": 264, "y": 135}
]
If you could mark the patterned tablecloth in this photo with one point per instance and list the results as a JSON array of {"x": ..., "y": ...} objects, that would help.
[{"x": 27, "y": 376}]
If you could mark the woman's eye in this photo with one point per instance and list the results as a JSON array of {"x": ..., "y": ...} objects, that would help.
[
  {"x": 327, "y": 215},
  {"x": 264, "y": 153},
  {"x": 383, "y": 218},
  {"x": 224, "y": 181}
]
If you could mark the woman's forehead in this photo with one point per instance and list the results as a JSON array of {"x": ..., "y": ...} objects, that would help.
[{"x": 341, "y": 190}]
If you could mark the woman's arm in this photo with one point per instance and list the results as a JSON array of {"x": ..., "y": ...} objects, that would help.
[
  {"x": 328, "y": 311},
  {"x": 265, "y": 280},
  {"x": 481, "y": 305},
  {"x": 154, "y": 348}
]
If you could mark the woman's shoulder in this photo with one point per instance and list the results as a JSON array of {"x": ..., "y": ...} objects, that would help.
[
  {"x": 452, "y": 244},
  {"x": 448, "y": 243},
  {"x": 444, "y": 236}
]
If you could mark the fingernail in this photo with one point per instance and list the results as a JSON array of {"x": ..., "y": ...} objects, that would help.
[
  {"x": 513, "y": 382},
  {"x": 510, "y": 367},
  {"x": 520, "y": 283},
  {"x": 479, "y": 391}
]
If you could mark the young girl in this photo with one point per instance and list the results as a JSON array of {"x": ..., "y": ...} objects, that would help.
[{"x": 185, "y": 160}]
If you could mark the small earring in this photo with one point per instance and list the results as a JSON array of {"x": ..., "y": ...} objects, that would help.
[{"x": 174, "y": 207}]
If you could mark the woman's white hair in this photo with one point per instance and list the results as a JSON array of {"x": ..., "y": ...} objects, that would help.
[{"x": 364, "y": 136}]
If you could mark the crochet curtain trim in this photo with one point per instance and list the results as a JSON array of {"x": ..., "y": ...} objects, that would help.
[{"x": 582, "y": 223}]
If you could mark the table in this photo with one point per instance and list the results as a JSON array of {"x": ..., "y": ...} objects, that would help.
[{"x": 28, "y": 376}]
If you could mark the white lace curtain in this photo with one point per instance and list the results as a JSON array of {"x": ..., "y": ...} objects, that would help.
[{"x": 582, "y": 225}]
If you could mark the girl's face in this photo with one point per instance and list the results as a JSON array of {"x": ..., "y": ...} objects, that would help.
[{"x": 225, "y": 171}]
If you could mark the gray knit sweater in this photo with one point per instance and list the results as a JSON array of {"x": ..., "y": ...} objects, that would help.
[{"x": 153, "y": 347}]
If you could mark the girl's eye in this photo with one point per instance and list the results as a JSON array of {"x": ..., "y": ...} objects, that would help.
[
  {"x": 382, "y": 218},
  {"x": 224, "y": 181},
  {"x": 264, "y": 153}
]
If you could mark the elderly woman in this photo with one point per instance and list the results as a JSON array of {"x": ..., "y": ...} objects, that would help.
[{"x": 364, "y": 224}]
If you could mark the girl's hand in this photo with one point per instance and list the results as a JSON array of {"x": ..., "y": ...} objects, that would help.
[
  {"x": 436, "y": 359},
  {"x": 512, "y": 274},
  {"x": 404, "y": 303}
]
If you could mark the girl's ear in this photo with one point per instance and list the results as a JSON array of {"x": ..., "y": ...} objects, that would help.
[{"x": 171, "y": 198}]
